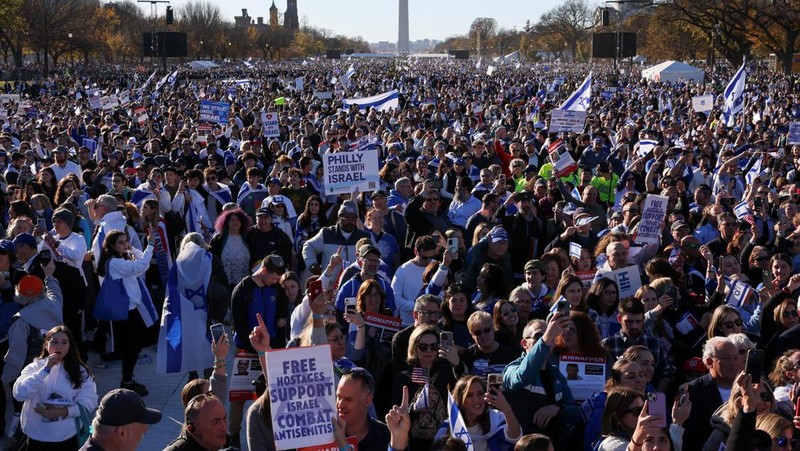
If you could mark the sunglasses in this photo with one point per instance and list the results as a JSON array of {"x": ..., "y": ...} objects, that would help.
[
  {"x": 511, "y": 311},
  {"x": 635, "y": 411},
  {"x": 428, "y": 314},
  {"x": 761, "y": 259},
  {"x": 478, "y": 333},
  {"x": 766, "y": 396},
  {"x": 425, "y": 347},
  {"x": 790, "y": 314},
  {"x": 731, "y": 324}
]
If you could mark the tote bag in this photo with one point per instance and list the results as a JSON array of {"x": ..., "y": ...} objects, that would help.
[{"x": 112, "y": 300}]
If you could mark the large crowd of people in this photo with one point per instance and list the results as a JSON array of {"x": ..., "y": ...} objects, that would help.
[{"x": 520, "y": 286}]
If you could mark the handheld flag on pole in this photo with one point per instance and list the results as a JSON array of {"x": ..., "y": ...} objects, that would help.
[
  {"x": 734, "y": 96},
  {"x": 581, "y": 98},
  {"x": 458, "y": 428}
]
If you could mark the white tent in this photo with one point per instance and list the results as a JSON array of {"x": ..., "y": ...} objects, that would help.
[{"x": 673, "y": 72}]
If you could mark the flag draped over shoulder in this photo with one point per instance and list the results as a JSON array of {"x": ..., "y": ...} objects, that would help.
[
  {"x": 581, "y": 98},
  {"x": 734, "y": 96},
  {"x": 184, "y": 343}
]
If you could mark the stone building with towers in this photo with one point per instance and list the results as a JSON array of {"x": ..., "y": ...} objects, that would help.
[{"x": 290, "y": 18}]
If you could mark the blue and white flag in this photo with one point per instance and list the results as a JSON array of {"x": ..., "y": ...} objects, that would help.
[
  {"x": 581, "y": 98},
  {"x": 172, "y": 78},
  {"x": 366, "y": 142},
  {"x": 422, "y": 401},
  {"x": 458, "y": 428},
  {"x": 387, "y": 101},
  {"x": 739, "y": 294},
  {"x": 754, "y": 172},
  {"x": 741, "y": 210},
  {"x": 183, "y": 340},
  {"x": 147, "y": 82},
  {"x": 664, "y": 102},
  {"x": 346, "y": 77},
  {"x": 645, "y": 146},
  {"x": 734, "y": 96}
]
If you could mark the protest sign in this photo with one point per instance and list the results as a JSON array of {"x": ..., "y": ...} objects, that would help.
[
  {"x": 323, "y": 95},
  {"x": 575, "y": 250},
  {"x": 794, "y": 133},
  {"x": 269, "y": 125},
  {"x": 563, "y": 163},
  {"x": 585, "y": 375},
  {"x": 124, "y": 98},
  {"x": 105, "y": 104},
  {"x": 7, "y": 98},
  {"x": 247, "y": 369},
  {"x": 202, "y": 133},
  {"x": 382, "y": 327},
  {"x": 212, "y": 111},
  {"x": 567, "y": 121},
  {"x": 348, "y": 171},
  {"x": 586, "y": 276},
  {"x": 655, "y": 209},
  {"x": 299, "y": 83},
  {"x": 628, "y": 280},
  {"x": 332, "y": 446},
  {"x": 141, "y": 116},
  {"x": 32, "y": 112},
  {"x": 703, "y": 104},
  {"x": 94, "y": 101},
  {"x": 302, "y": 396}
]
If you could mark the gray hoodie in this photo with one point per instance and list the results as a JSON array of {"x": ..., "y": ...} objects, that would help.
[{"x": 43, "y": 313}]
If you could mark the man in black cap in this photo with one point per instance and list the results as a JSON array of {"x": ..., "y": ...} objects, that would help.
[
  {"x": 526, "y": 230},
  {"x": 265, "y": 239},
  {"x": 120, "y": 422}
]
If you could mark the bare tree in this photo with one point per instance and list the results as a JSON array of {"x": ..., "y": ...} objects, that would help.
[
  {"x": 570, "y": 22},
  {"x": 204, "y": 23}
]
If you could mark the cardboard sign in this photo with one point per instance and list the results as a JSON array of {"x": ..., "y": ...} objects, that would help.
[
  {"x": 346, "y": 172},
  {"x": 703, "y": 104},
  {"x": 794, "y": 133},
  {"x": 323, "y": 95},
  {"x": 382, "y": 327},
  {"x": 270, "y": 125},
  {"x": 585, "y": 375},
  {"x": 563, "y": 163},
  {"x": 141, "y": 116},
  {"x": 212, "y": 111},
  {"x": 567, "y": 121},
  {"x": 202, "y": 133},
  {"x": 247, "y": 368},
  {"x": 8, "y": 98},
  {"x": 653, "y": 213},
  {"x": 628, "y": 280},
  {"x": 302, "y": 396}
]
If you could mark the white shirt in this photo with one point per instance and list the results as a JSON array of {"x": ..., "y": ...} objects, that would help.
[
  {"x": 130, "y": 271},
  {"x": 71, "y": 250},
  {"x": 69, "y": 168},
  {"x": 35, "y": 385}
]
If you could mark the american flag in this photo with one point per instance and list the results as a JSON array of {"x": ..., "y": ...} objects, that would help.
[{"x": 419, "y": 376}]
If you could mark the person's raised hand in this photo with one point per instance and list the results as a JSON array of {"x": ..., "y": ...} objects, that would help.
[
  {"x": 221, "y": 347},
  {"x": 50, "y": 268},
  {"x": 318, "y": 303},
  {"x": 399, "y": 422},
  {"x": 354, "y": 318},
  {"x": 259, "y": 337},
  {"x": 681, "y": 411},
  {"x": 749, "y": 392},
  {"x": 339, "y": 431}
]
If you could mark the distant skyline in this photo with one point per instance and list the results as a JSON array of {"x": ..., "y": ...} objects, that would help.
[{"x": 430, "y": 19}]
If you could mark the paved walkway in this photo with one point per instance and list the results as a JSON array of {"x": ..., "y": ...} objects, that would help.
[{"x": 165, "y": 395}]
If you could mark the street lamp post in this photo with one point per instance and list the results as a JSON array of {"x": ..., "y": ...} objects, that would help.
[{"x": 72, "y": 61}]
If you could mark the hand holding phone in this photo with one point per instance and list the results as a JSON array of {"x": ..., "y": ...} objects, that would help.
[
  {"x": 657, "y": 406},
  {"x": 754, "y": 364},
  {"x": 217, "y": 330}
]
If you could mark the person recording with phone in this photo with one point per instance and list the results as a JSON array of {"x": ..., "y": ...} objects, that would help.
[{"x": 536, "y": 388}]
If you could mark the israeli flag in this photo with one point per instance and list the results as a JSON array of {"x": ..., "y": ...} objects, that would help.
[
  {"x": 387, "y": 101},
  {"x": 346, "y": 77},
  {"x": 458, "y": 428},
  {"x": 754, "y": 172},
  {"x": 645, "y": 146},
  {"x": 734, "y": 96},
  {"x": 581, "y": 98},
  {"x": 741, "y": 210},
  {"x": 738, "y": 294},
  {"x": 147, "y": 82},
  {"x": 423, "y": 399},
  {"x": 172, "y": 78}
]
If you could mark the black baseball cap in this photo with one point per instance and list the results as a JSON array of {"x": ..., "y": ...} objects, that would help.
[{"x": 122, "y": 406}]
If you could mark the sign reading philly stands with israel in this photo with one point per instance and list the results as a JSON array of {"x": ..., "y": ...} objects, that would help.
[
  {"x": 302, "y": 396},
  {"x": 346, "y": 172}
]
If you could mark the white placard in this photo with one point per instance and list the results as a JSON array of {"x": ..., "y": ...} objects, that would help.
[
  {"x": 567, "y": 121},
  {"x": 585, "y": 375},
  {"x": 794, "y": 133},
  {"x": 653, "y": 213},
  {"x": 302, "y": 396},
  {"x": 703, "y": 104},
  {"x": 270, "y": 125},
  {"x": 346, "y": 172}
]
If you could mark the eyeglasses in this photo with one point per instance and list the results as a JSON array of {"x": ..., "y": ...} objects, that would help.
[
  {"x": 790, "y": 314},
  {"x": 424, "y": 347},
  {"x": 428, "y": 314},
  {"x": 478, "y": 333},
  {"x": 511, "y": 311},
  {"x": 731, "y": 324}
]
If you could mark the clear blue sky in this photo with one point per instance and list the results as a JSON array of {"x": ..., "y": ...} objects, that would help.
[{"x": 376, "y": 20}]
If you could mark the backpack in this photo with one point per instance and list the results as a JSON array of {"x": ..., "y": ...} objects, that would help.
[{"x": 34, "y": 342}]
